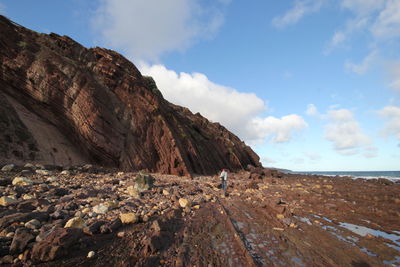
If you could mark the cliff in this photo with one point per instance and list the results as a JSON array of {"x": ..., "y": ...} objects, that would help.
[{"x": 61, "y": 103}]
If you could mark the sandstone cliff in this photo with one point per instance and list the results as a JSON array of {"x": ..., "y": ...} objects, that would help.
[{"x": 61, "y": 103}]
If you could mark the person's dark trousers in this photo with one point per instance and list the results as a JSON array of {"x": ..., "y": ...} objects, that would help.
[{"x": 223, "y": 182}]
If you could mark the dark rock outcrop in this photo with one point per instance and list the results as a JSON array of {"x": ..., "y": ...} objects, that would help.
[{"x": 61, "y": 103}]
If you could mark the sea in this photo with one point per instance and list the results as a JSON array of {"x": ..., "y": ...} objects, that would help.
[{"x": 390, "y": 175}]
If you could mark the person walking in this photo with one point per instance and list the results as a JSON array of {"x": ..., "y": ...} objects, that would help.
[{"x": 224, "y": 179}]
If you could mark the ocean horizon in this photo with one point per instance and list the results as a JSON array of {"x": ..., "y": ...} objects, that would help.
[{"x": 391, "y": 175}]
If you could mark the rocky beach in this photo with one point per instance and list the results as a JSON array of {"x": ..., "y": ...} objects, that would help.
[
  {"x": 91, "y": 216},
  {"x": 98, "y": 169}
]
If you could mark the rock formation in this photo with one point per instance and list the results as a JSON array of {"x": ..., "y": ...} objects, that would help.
[{"x": 61, "y": 103}]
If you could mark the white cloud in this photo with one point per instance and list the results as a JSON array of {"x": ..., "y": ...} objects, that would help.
[
  {"x": 312, "y": 156},
  {"x": 345, "y": 132},
  {"x": 364, "y": 66},
  {"x": 311, "y": 110},
  {"x": 267, "y": 160},
  {"x": 147, "y": 29},
  {"x": 363, "y": 7},
  {"x": 300, "y": 9},
  {"x": 392, "y": 127},
  {"x": 280, "y": 130},
  {"x": 394, "y": 76},
  {"x": 387, "y": 25},
  {"x": 239, "y": 112}
]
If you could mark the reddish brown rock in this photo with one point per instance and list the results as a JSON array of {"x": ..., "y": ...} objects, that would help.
[
  {"x": 56, "y": 244},
  {"x": 96, "y": 107}
]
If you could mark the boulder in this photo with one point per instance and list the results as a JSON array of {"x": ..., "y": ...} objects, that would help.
[
  {"x": 143, "y": 182},
  {"x": 57, "y": 244},
  {"x": 94, "y": 228},
  {"x": 21, "y": 239}
]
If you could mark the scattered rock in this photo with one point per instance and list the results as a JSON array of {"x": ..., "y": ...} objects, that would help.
[
  {"x": 4, "y": 201},
  {"x": 33, "y": 224},
  {"x": 183, "y": 202},
  {"x": 75, "y": 222},
  {"x": 91, "y": 254},
  {"x": 8, "y": 168},
  {"x": 280, "y": 216},
  {"x": 21, "y": 239},
  {"x": 43, "y": 172},
  {"x": 22, "y": 181},
  {"x": 57, "y": 244},
  {"x": 143, "y": 182},
  {"x": 133, "y": 192},
  {"x": 100, "y": 209},
  {"x": 128, "y": 218},
  {"x": 165, "y": 192}
]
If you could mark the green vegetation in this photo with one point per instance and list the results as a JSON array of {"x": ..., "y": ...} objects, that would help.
[
  {"x": 22, "y": 44},
  {"x": 151, "y": 84}
]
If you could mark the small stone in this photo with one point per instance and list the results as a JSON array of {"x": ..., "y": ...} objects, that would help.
[
  {"x": 51, "y": 179},
  {"x": 183, "y": 202},
  {"x": 293, "y": 225},
  {"x": 27, "y": 197},
  {"x": 10, "y": 234},
  {"x": 196, "y": 207},
  {"x": 91, "y": 254},
  {"x": 120, "y": 174},
  {"x": 100, "y": 209},
  {"x": 4, "y": 201},
  {"x": 65, "y": 173},
  {"x": 29, "y": 166},
  {"x": 43, "y": 172},
  {"x": 128, "y": 218},
  {"x": 278, "y": 229},
  {"x": 317, "y": 186},
  {"x": 7, "y": 259},
  {"x": 33, "y": 224},
  {"x": 133, "y": 192},
  {"x": 328, "y": 186},
  {"x": 280, "y": 216},
  {"x": 165, "y": 192},
  {"x": 22, "y": 181},
  {"x": 111, "y": 204},
  {"x": 75, "y": 222},
  {"x": 145, "y": 218},
  {"x": 8, "y": 168},
  {"x": 120, "y": 234}
]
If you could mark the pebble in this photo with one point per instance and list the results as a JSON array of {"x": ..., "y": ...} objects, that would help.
[
  {"x": 75, "y": 222},
  {"x": 128, "y": 218},
  {"x": 183, "y": 202},
  {"x": 8, "y": 168},
  {"x": 33, "y": 224},
  {"x": 91, "y": 254},
  {"x": 4, "y": 201},
  {"x": 22, "y": 181}
]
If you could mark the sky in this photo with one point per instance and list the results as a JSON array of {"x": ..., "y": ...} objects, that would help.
[{"x": 310, "y": 85}]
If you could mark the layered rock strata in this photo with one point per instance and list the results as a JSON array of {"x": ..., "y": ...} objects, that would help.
[{"x": 62, "y": 103}]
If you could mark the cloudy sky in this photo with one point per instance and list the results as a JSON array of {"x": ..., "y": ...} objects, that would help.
[{"x": 309, "y": 84}]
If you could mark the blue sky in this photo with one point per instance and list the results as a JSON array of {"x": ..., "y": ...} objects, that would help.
[{"x": 309, "y": 84}]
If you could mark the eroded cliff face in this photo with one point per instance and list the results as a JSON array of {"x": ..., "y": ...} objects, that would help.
[{"x": 76, "y": 105}]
